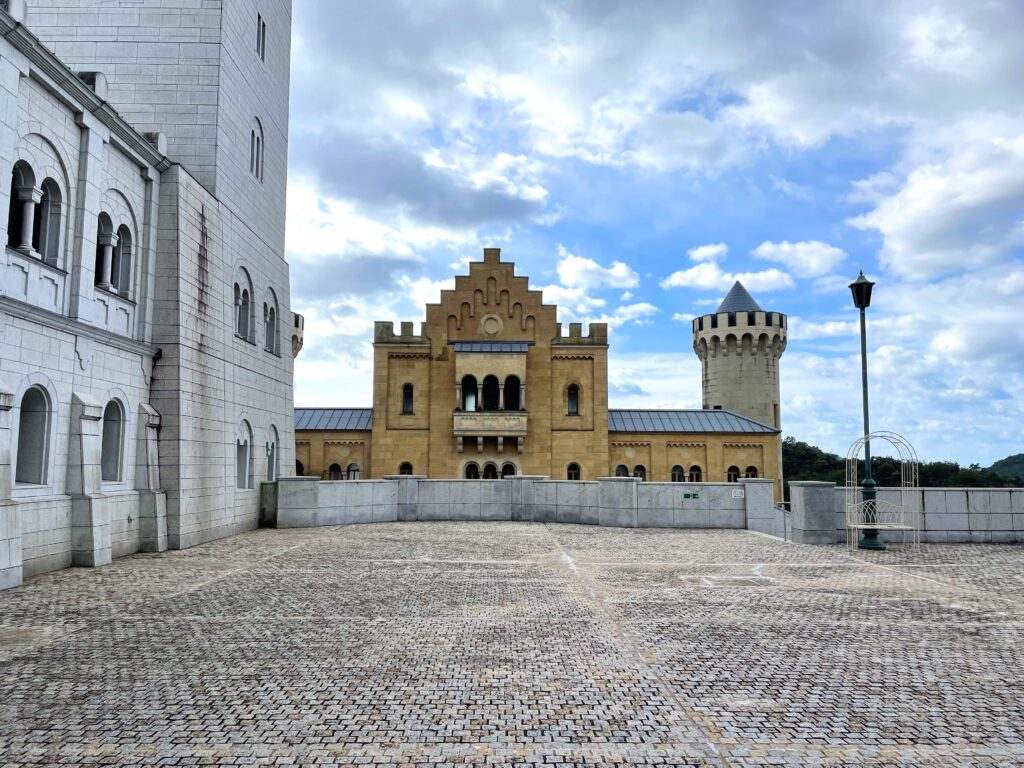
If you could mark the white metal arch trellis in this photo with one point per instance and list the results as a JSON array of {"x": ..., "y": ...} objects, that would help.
[{"x": 895, "y": 509}]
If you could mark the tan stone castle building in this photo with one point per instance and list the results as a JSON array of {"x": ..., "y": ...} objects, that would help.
[{"x": 491, "y": 386}]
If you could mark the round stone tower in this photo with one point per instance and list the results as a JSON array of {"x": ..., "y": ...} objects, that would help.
[{"x": 739, "y": 349}]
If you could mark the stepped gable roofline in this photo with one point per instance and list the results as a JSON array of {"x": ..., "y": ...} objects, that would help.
[
  {"x": 333, "y": 419},
  {"x": 739, "y": 300},
  {"x": 693, "y": 421}
]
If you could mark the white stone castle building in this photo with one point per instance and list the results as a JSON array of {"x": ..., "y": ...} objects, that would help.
[{"x": 146, "y": 338}]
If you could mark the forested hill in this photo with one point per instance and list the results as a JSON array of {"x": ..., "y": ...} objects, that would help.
[
  {"x": 802, "y": 461},
  {"x": 1011, "y": 466}
]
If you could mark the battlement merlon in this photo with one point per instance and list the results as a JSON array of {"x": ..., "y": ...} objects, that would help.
[
  {"x": 725, "y": 320},
  {"x": 597, "y": 335},
  {"x": 384, "y": 333}
]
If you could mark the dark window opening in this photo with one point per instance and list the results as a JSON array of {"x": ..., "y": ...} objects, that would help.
[
  {"x": 678, "y": 474},
  {"x": 622, "y": 471},
  {"x": 512, "y": 394},
  {"x": 490, "y": 472},
  {"x": 640, "y": 471},
  {"x": 751, "y": 472},
  {"x": 407, "y": 399},
  {"x": 508, "y": 470},
  {"x": 405, "y": 468},
  {"x": 573, "y": 397},
  {"x": 733, "y": 475},
  {"x": 696, "y": 475},
  {"x": 572, "y": 472},
  {"x": 472, "y": 471}
]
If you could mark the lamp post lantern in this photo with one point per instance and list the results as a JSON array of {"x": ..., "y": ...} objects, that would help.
[{"x": 861, "y": 289}]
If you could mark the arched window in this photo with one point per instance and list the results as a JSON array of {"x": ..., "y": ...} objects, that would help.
[
  {"x": 300, "y": 471},
  {"x": 112, "y": 442},
  {"x": 508, "y": 470},
  {"x": 244, "y": 308},
  {"x": 33, "y": 437},
  {"x": 271, "y": 325},
  {"x": 751, "y": 472},
  {"x": 405, "y": 468},
  {"x": 696, "y": 475},
  {"x": 490, "y": 471},
  {"x": 733, "y": 475},
  {"x": 573, "y": 397},
  {"x": 334, "y": 472},
  {"x": 512, "y": 394},
  {"x": 678, "y": 474},
  {"x": 472, "y": 471},
  {"x": 256, "y": 148},
  {"x": 121, "y": 264},
  {"x": 492, "y": 393},
  {"x": 640, "y": 471},
  {"x": 407, "y": 401},
  {"x": 622, "y": 471},
  {"x": 105, "y": 242},
  {"x": 272, "y": 454},
  {"x": 243, "y": 456},
  {"x": 572, "y": 472},
  {"x": 352, "y": 473},
  {"x": 46, "y": 237},
  {"x": 22, "y": 212},
  {"x": 469, "y": 393}
]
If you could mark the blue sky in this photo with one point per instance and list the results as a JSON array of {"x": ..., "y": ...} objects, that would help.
[{"x": 633, "y": 159}]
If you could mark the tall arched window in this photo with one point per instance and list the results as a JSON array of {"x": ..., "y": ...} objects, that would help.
[
  {"x": 508, "y": 470},
  {"x": 696, "y": 475},
  {"x": 640, "y": 471},
  {"x": 622, "y": 471},
  {"x": 33, "y": 437},
  {"x": 105, "y": 242},
  {"x": 243, "y": 456},
  {"x": 490, "y": 471},
  {"x": 573, "y": 397},
  {"x": 405, "y": 468},
  {"x": 472, "y": 471},
  {"x": 300, "y": 470},
  {"x": 22, "y": 213},
  {"x": 572, "y": 472},
  {"x": 244, "y": 314},
  {"x": 512, "y": 393},
  {"x": 469, "y": 393},
  {"x": 334, "y": 472},
  {"x": 751, "y": 472},
  {"x": 353, "y": 472},
  {"x": 407, "y": 401},
  {"x": 271, "y": 324},
  {"x": 272, "y": 457},
  {"x": 112, "y": 443},
  {"x": 678, "y": 474},
  {"x": 121, "y": 264},
  {"x": 256, "y": 148},
  {"x": 46, "y": 237},
  {"x": 492, "y": 393},
  {"x": 733, "y": 474}
]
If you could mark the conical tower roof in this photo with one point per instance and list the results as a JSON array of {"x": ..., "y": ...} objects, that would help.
[{"x": 738, "y": 300}]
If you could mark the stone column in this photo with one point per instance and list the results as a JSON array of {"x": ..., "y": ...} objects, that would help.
[
  {"x": 522, "y": 397},
  {"x": 29, "y": 198},
  {"x": 458, "y": 395},
  {"x": 107, "y": 243},
  {"x": 479, "y": 396},
  {"x": 152, "y": 499},
  {"x": 90, "y": 516},
  {"x": 501, "y": 397},
  {"x": 10, "y": 517}
]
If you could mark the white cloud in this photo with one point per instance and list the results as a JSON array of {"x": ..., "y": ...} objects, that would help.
[
  {"x": 709, "y": 252},
  {"x": 964, "y": 212},
  {"x": 710, "y": 276},
  {"x": 578, "y": 300},
  {"x": 811, "y": 258},
  {"x": 683, "y": 317},
  {"x": 579, "y": 272}
]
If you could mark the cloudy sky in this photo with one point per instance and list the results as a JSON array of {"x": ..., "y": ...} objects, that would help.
[{"x": 634, "y": 159}]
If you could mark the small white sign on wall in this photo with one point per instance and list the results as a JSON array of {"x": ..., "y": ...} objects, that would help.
[{"x": 738, "y": 493}]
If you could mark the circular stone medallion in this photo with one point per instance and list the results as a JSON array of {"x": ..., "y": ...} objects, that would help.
[{"x": 491, "y": 325}]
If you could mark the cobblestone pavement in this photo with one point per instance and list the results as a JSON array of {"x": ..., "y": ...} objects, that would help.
[{"x": 506, "y": 643}]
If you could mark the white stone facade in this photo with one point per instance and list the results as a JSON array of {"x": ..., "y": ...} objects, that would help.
[{"x": 145, "y": 323}]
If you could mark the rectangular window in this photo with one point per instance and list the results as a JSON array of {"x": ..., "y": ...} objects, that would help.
[{"x": 261, "y": 37}]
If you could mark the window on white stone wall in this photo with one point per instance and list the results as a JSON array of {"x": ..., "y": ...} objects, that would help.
[
  {"x": 353, "y": 472},
  {"x": 243, "y": 456},
  {"x": 256, "y": 147},
  {"x": 272, "y": 454},
  {"x": 261, "y": 37},
  {"x": 105, "y": 241},
  {"x": 113, "y": 441},
  {"x": 21, "y": 213},
  {"x": 46, "y": 225},
  {"x": 334, "y": 472},
  {"x": 271, "y": 325},
  {"x": 244, "y": 308},
  {"x": 121, "y": 262},
  {"x": 33, "y": 437}
]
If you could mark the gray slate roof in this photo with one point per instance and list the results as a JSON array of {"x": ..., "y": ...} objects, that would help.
[
  {"x": 693, "y": 421},
  {"x": 333, "y": 419},
  {"x": 738, "y": 300},
  {"x": 491, "y": 346}
]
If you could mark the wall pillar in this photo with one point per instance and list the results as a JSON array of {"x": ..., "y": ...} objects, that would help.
[
  {"x": 298, "y": 502},
  {"x": 480, "y": 397},
  {"x": 762, "y": 514},
  {"x": 90, "y": 516},
  {"x": 30, "y": 198},
  {"x": 524, "y": 497},
  {"x": 617, "y": 501},
  {"x": 152, "y": 499},
  {"x": 107, "y": 261},
  {"x": 501, "y": 397},
  {"x": 458, "y": 396},
  {"x": 813, "y": 512},
  {"x": 10, "y": 516},
  {"x": 408, "y": 496}
]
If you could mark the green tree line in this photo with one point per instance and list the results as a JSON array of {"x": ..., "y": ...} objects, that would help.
[{"x": 802, "y": 461}]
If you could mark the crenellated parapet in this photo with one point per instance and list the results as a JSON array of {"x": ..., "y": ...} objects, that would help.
[
  {"x": 597, "y": 335},
  {"x": 384, "y": 333},
  {"x": 740, "y": 333}
]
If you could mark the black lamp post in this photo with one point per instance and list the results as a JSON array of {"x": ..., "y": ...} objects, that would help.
[{"x": 861, "y": 289}]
